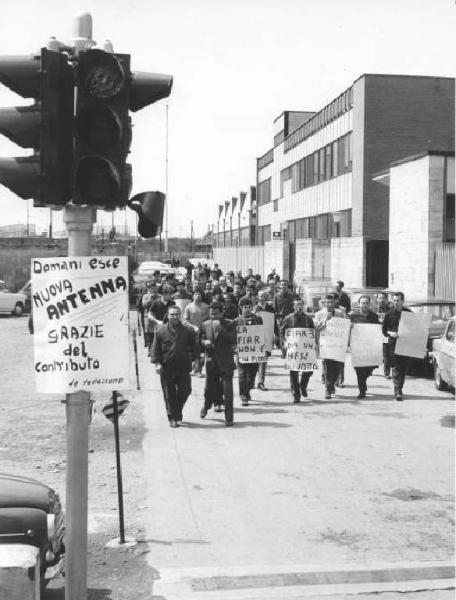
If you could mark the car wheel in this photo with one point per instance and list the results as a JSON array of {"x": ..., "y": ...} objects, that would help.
[
  {"x": 439, "y": 382},
  {"x": 18, "y": 309}
]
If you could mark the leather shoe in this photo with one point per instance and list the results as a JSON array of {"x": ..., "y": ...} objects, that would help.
[
  {"x": 229, "y": 423},
  {"x": 304, "y": 393},
  {"x": 173, "y": 424},
  {"x": 328, "y": 396},
  {"x": 361, "y": 395},
  {"x": 296, "y": 400},
  {"x": 262, "y": 387},
  {"x": 203, "y": 413},
  {"x": 399, "y": 397},
  {"x": 218, "y": 408}
]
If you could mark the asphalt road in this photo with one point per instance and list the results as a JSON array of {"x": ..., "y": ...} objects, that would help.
[{"x": 330, "y": 497}]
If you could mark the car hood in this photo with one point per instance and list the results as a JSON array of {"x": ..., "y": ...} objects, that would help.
[{"x": 22, "y": 491}]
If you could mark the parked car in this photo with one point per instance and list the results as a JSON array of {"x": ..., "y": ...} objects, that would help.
[
  {"x": 27, "y": 290},
  {"x": 12, "y": 303},
  {"x": 443, "y": 357},
  {"x": 356, "y": 293},
  {"x": 312, "y": 291},
  {"x": 150, "y": 266},
  {"x": 441, "y": 311},
  {"x": 31, "y": 514}
]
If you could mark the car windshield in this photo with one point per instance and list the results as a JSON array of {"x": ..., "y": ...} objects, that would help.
[{"x": 439, "y": 312}]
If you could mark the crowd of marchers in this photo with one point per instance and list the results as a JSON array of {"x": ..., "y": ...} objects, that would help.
[{"x": 190, "y": 325}]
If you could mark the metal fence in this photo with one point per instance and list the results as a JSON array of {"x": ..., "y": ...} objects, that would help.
[{"x": 445, "y": 276}]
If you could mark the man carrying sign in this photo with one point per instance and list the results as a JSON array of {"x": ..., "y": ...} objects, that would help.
[
  {"x": 247, "y": 371},
  {"x": 331, "y": 368},
  {"x": 389, "y": 328},
  {"x": 364, "y": 315},
  {"x": 297, "y": 319}
]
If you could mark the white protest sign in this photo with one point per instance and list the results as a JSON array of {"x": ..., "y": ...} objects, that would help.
[
  {"x": 268, "y": 322},
  {"x": 334, "y": 339},
  {"x": 250, "y": 344},
  {"x": 366, "y": 345},
  {"x": 80, "y": 316},
  {"x": 413, "y": 333},
  {"x": 301, "y": 349}
]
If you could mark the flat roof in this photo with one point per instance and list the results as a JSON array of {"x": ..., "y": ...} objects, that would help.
[{"x": 381, "y": 175}]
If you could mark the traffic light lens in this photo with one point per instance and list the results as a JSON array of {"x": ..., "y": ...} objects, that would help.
[
  {"x": 101, "y": 74},
  {"x": 99, "y": 127},
  {"x": 98, "y": 181}
]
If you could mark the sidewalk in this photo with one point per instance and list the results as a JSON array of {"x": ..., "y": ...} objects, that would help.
[{"x": 326, "y": 484}]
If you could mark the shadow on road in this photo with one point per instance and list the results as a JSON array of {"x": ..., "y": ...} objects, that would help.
[
  {"x": 92, "y": 594},
  {"x": 221, "y": 423}
]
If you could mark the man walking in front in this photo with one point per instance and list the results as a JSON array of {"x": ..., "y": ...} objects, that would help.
[
  {"x": 297, "y": 318},
  {"x": 364, "y": 315},
  {"x": 218, "y": 338},
  {"x": 331, "y": 368},
  {"x": 283, "y": 305},
  {"x": 247, "y": 371},
  {"x": 390, "y": 330},
  {"x": 174, "y": 348}
]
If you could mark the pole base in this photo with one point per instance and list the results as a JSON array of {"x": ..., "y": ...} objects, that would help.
[{"x": 129, "y": 543}]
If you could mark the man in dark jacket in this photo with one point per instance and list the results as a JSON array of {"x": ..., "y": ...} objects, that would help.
[
  {"x": 218, "y": 338},
  {"x": 247, "y": 371},
  {"x": 298, "y": 318},
  {"x": 174, "y": 348},
  {"x": 390, "y": 327},
  {"x": 283, "y": 305},
  {"x": 364, "y": 315}
]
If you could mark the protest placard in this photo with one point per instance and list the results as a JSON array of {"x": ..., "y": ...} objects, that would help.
[
  {"x": 301, "y": 348},
  {"x": 250, "y": 344},
  {"x": 366, "y": 345},
  {"x": 80, "y": 316},
  {"x": 268, "y": 323},
  {"x": 413, "y": 334},
  {"x": 334, "y": 339}
]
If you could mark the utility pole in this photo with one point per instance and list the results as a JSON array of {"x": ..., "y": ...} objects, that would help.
[
  {"x": 79, "y": 222},
  {"x": 166, "y": 187}
]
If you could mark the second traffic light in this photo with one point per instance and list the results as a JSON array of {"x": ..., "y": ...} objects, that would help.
[{"x": 102, "y": 178}]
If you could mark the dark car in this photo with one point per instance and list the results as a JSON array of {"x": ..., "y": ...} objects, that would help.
[
  {"x": 31, "y": 514},
  {"x": 441, "y": 312}
]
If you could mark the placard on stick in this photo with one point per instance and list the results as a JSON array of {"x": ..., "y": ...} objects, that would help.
[
  {"x": 250, "y": 344},
  {"x": 268, "y": 323},
  {"x": 301, "y": 348}
]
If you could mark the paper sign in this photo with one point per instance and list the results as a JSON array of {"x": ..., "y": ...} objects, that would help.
[
  {"x": 251, "y": 347},
  {"x": 413, "y": 334},
  {"x": 268, "y": 322},
  {"x": 366, "y": 345},
  {"x": 80, "y": 316},
  {"x": 301, "y": 347},
  {"x": 334, "y": 339}
]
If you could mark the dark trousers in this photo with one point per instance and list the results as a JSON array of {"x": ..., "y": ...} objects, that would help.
[
  {"x": 262, "y": 371},
  {"x": 362, "y": 373},
  {"x": 141, "y": 316},
  {"x": 299, "y": 386},
  {"x": 341, "y": 376},
  {"x": 177, "y": 386},
  {"x": 247, "y": 373},
  {"x": 331, "y": 371},
  {"x": 399, "y": 369},
  {"x": 387, "y": 359},
  {"x": 218, "y": 389}
]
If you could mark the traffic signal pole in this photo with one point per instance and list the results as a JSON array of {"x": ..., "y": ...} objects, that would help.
[{"x": 79, "y": 222}]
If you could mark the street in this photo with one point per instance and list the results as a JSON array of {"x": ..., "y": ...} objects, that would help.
[{"x": 330, "y": 497}]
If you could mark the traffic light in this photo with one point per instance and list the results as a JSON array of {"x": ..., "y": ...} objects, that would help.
[
  {"x": 102, "y": 178},
  {"x": 150, "y": 207},
  {"x": 46, "y": 127},
  {"x": 106, "y": 91}
]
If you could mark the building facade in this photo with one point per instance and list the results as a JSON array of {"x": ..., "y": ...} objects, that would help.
[
  {"x": 421, "y": 225},
  {"x": 317, "y": 203}
]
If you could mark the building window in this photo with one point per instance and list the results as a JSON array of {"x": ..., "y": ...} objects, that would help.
[
  {"x": 328, "y": 161},
  {"x": 264, "y": 191},
  {"x": 449, "y": 218},
  {"x": 275, "y": 205}
]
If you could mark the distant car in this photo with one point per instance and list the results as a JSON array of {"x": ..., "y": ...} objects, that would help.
[
  {"x": 443, "y": 357},
  {"x": 312, "y": 292},
  {"x": 27, "y": 290},
  {"x": 441, "y": 311},
  {"x": 31, "y": 514},
  {"x": 150, "y": 266},
  {"x": 12, "y": 303}
]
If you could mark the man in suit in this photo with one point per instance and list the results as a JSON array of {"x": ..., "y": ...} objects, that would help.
[
  {"x": 364, "y": 315},
  {"x": 298, "y": 318},
  {"x": 218, "y": 338},
  {"x": 390, "y": 328},
  {"x": 174, "y": 347},
  {"x": 247, "y": 371}
]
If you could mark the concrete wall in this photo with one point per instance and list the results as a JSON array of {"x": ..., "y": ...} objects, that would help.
[
  {"x": 277, "y": 255},
  {"x": 241, "y": 259},
  {"x": 409, "y": 226},
  {"x": 347, "y": 260}
]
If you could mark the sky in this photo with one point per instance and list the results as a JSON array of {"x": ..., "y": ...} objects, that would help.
[{"x": 237, "y": 65}]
